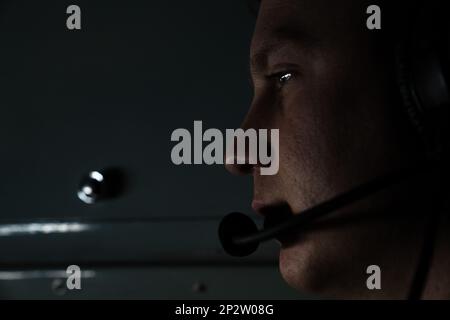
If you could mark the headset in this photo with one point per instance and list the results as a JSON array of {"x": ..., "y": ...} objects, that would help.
[{"x": 422, "y": 62}]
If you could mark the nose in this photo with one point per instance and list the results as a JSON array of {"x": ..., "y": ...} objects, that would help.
[
  {"x": 245, "y": 163},
  {"x": 238, "y": 162},
  {"x": 238, "y": 169}
]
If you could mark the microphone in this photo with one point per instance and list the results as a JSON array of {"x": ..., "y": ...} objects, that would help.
[{"x": 240, "y": 237}]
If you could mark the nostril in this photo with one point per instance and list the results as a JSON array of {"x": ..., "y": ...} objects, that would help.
[{"x": 238, "y": 169}]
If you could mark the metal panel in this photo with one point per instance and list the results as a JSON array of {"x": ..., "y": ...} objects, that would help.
[{"x": 110, "y": 95}]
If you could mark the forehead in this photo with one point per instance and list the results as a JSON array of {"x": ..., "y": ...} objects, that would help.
[{"x": 309, "y": 20}]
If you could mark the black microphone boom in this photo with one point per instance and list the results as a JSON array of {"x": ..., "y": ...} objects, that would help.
[{"x": 240, "y": 237}]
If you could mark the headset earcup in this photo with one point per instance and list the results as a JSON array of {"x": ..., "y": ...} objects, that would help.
[{"x": 421, "y": 67}]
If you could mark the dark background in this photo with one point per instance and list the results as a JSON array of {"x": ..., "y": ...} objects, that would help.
[{"x": 110, "y": 95}]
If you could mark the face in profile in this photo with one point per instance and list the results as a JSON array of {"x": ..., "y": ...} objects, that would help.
[{"x": 321, "y": 79}]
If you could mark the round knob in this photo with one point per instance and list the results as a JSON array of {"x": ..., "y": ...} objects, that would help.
[{"x": 99, "y": 185}]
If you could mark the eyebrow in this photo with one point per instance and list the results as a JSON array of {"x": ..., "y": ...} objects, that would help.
[{"x": 280, "y": 38}]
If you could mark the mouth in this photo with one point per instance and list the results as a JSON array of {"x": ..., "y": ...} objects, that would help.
[{"x": 274, "y": 214}]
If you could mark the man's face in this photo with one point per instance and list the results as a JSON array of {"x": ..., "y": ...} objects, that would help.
[{"x": 317, "y": 78}]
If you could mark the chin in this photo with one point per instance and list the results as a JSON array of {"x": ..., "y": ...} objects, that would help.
[
  {"x": 306, "y": 267},
  {"x": 318, "y": 269},
  {"x": 297, "y": 268}
]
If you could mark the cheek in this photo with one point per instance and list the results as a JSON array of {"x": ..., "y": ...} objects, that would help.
[
  {"x": 308, "y": 147},
  {"x": 333, "y": 135}
]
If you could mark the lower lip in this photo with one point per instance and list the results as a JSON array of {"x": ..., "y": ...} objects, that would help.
[
  {"x": 288, "y": 240},
  {"x": 285, "y": 240}
]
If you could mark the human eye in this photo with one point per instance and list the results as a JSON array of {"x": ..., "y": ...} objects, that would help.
[{"x": 281, "y": 79}]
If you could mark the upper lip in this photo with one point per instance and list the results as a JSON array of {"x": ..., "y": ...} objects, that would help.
[
  {"x": 258, "y": 206},
  {"x": 266, "y": 208}
]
